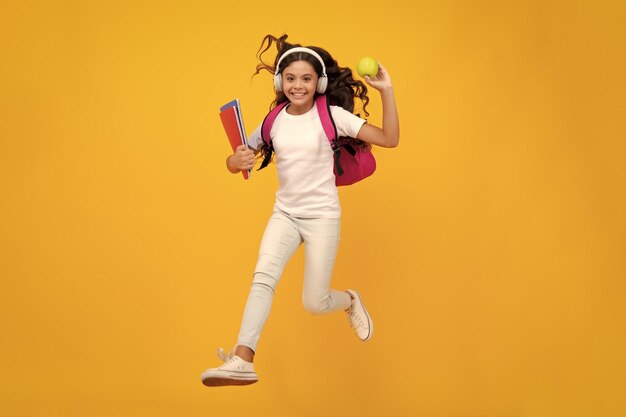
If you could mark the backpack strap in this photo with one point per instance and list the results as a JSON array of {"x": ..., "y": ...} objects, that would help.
[
  {"x": 266, "y": 129},
  {"x": 328, "y": 124}
]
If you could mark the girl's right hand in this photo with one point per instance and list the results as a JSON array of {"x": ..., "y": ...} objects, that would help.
[{"x": 242, "y": 159}]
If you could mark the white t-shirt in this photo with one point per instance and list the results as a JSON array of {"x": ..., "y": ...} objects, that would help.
[{"x": 304, "y": 161}]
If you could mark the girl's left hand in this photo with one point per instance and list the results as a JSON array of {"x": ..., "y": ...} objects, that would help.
[{"x": 381, "y": 80}]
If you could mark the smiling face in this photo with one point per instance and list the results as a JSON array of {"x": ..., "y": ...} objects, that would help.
[{"x": 299, "y": 85}]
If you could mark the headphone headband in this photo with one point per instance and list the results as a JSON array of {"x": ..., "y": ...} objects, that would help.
[{"x": 302, "y": 49}]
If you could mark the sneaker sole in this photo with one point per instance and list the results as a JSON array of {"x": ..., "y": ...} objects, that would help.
[{"x": 221, "y": 382}]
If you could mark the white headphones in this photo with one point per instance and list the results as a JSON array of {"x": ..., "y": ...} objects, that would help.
[{"x": 322, "y": 81}]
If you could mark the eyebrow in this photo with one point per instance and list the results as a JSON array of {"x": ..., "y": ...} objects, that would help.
[{"x": 304, "y": 75}]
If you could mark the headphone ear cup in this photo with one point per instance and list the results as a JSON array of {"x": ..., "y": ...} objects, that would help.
[
  {"x": 278, "y": 82},
  {"x": 322, "y": 83}
]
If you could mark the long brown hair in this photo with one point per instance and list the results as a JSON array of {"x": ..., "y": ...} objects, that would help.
[{"x": 342, "y": 89}]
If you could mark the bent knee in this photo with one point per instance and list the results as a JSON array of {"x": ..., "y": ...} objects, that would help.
[{"x": 316, "y": 305}]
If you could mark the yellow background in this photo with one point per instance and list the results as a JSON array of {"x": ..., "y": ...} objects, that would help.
[{"x": 489, "y": 246}]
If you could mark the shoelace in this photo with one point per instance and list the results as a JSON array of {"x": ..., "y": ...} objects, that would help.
[
  {"x": 225, "y": 357},
  {"x": 355, "y": 319}
]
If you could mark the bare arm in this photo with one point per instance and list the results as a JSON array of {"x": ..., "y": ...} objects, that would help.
[{"x": 389, "y": 135}]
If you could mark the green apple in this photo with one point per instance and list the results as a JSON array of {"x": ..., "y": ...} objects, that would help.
[{"x": 367, "y": 66}]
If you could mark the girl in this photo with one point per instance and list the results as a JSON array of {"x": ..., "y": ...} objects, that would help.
[{"x": 307, "y": 208}]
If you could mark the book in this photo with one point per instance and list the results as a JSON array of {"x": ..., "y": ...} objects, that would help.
[{"x": 232, "y": 120}]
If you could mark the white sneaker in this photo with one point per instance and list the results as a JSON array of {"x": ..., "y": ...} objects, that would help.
[
  {"x": 359, "y": 318},
  {"x": 234, "y": 371}
]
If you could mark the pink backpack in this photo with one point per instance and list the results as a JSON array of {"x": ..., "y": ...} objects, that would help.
[{"x": 352, "y": 163}]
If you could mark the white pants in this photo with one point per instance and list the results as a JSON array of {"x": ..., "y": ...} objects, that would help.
[{"x": 283, "y": 235}]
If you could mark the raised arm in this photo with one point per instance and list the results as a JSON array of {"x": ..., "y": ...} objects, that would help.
[{"x": 389, "y": 135}]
